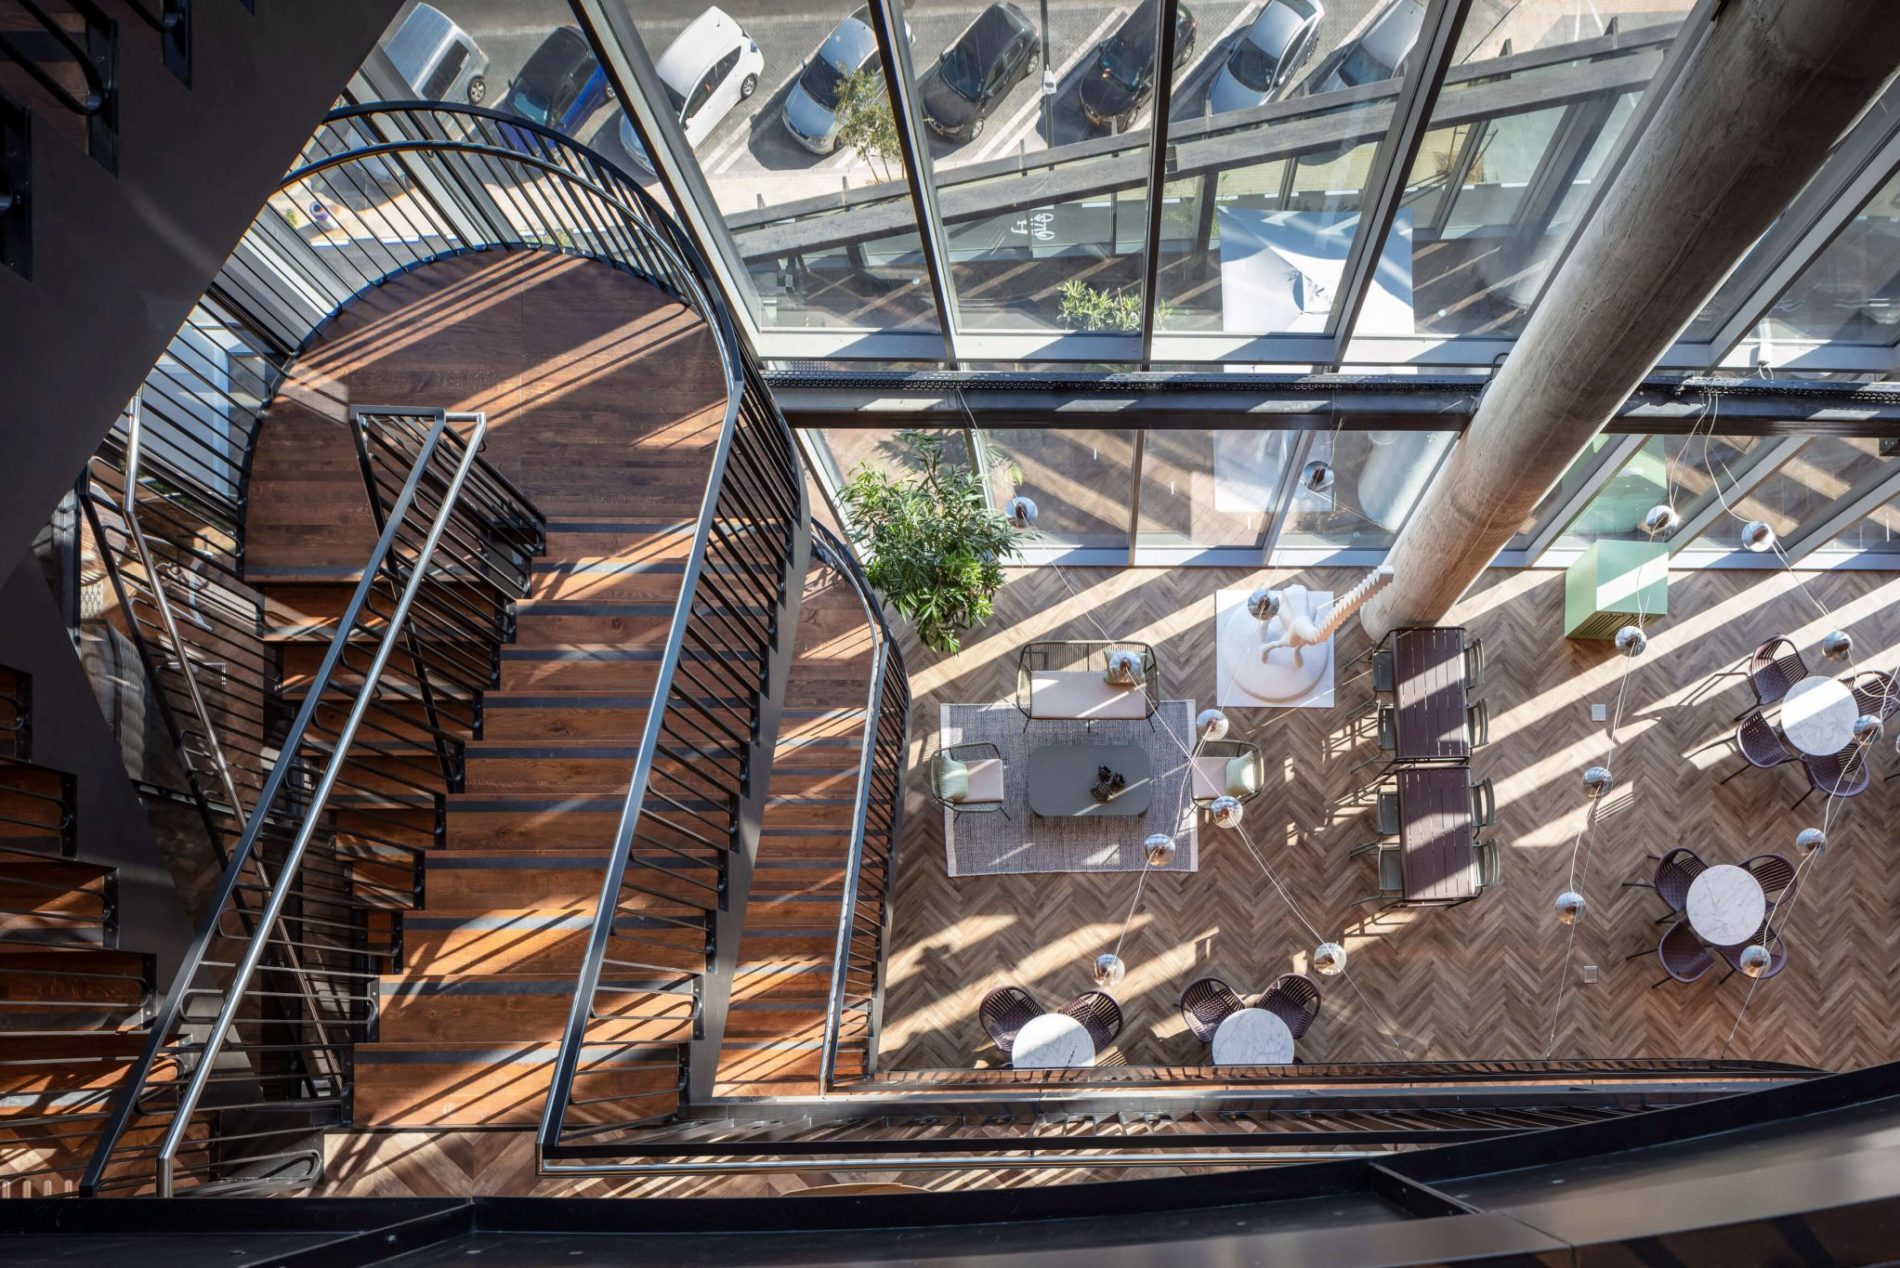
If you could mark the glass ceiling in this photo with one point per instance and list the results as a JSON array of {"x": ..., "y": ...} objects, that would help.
[{"x": 1314, "y": 212}]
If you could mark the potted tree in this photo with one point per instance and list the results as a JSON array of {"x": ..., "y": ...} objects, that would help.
[{"x": 935, "y": 549}]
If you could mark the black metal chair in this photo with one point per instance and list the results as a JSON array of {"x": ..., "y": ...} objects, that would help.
[
  {"x": 1294, "y": 999},
  {"x": 1681, "y": 954},
  {"x": 1004, "y": 1012},
  {"x": 1876, "y": 694},
  {"x": 1099, "y": 1014},
  {"x": 1842, "y": 774},
  {"x": 1760, "y": 745},
  {"x": 1775, "y": 666},
  {"x": 1768, "y": 937},
  {"x": 1484, "y": 804},
  {"x": 1776, "y": 876},
  {"x": 964, "y": 754},
  {"x": 1675, "y": 872},
  {"x": 1206, "y": 1003}
]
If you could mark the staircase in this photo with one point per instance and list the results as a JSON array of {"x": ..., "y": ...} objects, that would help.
[
  {"x": 73, "y": 1003},
  {"x": 775, "y": 1025}
]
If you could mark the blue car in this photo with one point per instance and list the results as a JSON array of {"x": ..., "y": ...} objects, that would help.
[{"x": 560, "y": 88}]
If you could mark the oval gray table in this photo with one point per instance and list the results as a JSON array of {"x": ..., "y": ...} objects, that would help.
[{"x": 1253, "y": 1036}]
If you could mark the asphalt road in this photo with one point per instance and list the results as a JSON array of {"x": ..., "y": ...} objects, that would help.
[{"x": 749, "y": 159}]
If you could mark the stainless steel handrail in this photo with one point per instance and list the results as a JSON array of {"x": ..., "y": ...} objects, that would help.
[
  {"x": 860, "y": 820},
  {"x": 243, "y": 858},
  {"x": 134, "y": 420},
  {"x": 280, "y": 893}
]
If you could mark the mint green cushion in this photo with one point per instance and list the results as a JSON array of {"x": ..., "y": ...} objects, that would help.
[
  {"x": 954, "y": 780},
  {"x": 1243, "y": 776}
]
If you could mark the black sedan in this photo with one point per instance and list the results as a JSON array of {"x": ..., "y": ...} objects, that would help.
[
  {"x": 992, "y": 55},
  {"x": 1122, "y": 77}
]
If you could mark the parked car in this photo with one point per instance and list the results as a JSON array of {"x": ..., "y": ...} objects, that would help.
[
  {"x": 712, "y": 66},
  {"x": 562, "y": 84},
  {"x": 1122, "y": 77},
  {"x": 437, "y": 58},
  {"x": 1265, "y": 56},
  {"x": 1381, "y": 51},
  {"x": 992, "y": 56},
  {"x": 811, "y": 103}
]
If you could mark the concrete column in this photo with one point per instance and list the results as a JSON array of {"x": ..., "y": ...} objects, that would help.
[{"x": 1749, "y": 120}]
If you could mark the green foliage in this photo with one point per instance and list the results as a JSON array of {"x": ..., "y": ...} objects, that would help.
[
  {"x": 936, "y": 550},
  {"x": 1083, "y": 307},
  {"x": 865, "y": 122}
]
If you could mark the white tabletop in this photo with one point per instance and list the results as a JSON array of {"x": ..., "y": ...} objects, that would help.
[
  {"x": 1725, "y": 906},
  {"x": 1253, "y": 1036},
  {"x": 1052, "y": 1041},
  {"x": 1817, "y": 715}
]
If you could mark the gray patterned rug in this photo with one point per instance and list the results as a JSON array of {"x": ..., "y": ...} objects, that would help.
[{"x": 990, "y": 845}]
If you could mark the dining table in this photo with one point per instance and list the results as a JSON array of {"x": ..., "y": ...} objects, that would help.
[
  {"x": 1252, "y": 1036},
  {"x": 1052, "y": 1041},
  {"x": 1725, "y": 905},
  {"x": 1435, "y": 834},
  {"x": 1428, "y": 695},
  {"x": 1817, "y": 715}
]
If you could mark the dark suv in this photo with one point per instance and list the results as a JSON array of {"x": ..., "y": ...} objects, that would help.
[
  {"x": 1122, "y": 77},
  {"x": 991, "y": 56}
]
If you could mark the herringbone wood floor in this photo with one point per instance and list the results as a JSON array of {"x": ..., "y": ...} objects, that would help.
[{"x": 1473, "y": 981}]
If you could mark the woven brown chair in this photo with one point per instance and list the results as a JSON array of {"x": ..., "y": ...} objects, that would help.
[
  {"x": 1294, "y": 999},
  {"x": 1206, "y": 1003},
  {"x": 1842, "y": 774},
  {"x": 1759, "y": 745},
  {"x": 1682, "y": 954},
  {"x": 1768, "y": 937},
  {"x": 1774, "y": 667},
  {"x": 1776, "y": 876},
  {"x": 1004, "y": 1012},
  {"x": 1099, "y": 1014},
  {"x": 1876, "y": 694}
]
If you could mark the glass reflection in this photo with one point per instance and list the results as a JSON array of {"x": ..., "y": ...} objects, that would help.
[
  {"x": 1212, "y": 488},
  {"x": 1378, "y": 477},
  {"x": 1080, "y": 481},
  {"x": 1805, "y": 487}
]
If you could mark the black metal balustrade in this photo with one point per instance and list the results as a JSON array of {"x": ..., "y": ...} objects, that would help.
[
  {"x": 854, "y": 1009},
  {"x": 253, "y": 1051}
]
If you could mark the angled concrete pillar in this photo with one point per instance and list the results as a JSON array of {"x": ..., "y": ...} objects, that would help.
[{"x": 1748, "y": 121}]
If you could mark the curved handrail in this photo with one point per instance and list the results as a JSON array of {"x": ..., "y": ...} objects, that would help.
[
  {"x": 96, "y": 88},
  {"x": 887, "y": 657},
  {"x": 753, "y": 477}
]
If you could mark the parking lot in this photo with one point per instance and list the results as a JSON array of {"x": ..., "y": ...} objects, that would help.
[{"x": 749, "y": 160}]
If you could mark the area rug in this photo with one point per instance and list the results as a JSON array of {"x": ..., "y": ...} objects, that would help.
[
  {"x": 991, "y": 845},
  {"x": 1242, "y": 679}
]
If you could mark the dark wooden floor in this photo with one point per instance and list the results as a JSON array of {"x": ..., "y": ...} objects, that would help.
[{"x": 1472, "y": 981}]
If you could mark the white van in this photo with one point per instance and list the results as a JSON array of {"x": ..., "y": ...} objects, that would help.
[
  {"x": 709, "y": 69},
  {"x": 438, "y": 59}
]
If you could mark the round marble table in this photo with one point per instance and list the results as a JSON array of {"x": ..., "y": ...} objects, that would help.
[
  {"x": 1050, "y": 1042},
  {"x": 1726, "y": 906},
  {"x": 1253, "y": 1036},
  {"x": 1817, "y": 715}
]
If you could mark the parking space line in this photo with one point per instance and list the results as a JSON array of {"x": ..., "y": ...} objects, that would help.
[{"x": 1006, "y": 135}]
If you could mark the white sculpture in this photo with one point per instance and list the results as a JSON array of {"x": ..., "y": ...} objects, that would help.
[{"x": 1299, "y": 629}]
